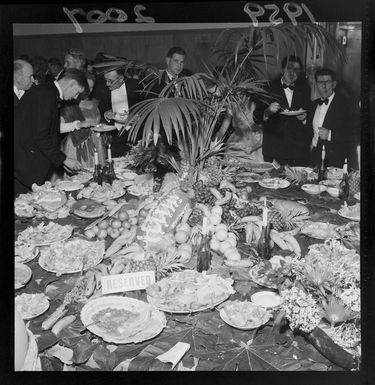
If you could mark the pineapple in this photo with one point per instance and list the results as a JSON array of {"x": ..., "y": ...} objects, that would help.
[
  {"x": 148, "y": 264},
  {"x": 354, "y": 182},
  {"x": 296, "y": 175},
  {"x": 186, "y": 176},
  {"x": 212, "y": 174},
  {"x": 196, "y": 217},
  {"x": 280, "y": 221}
]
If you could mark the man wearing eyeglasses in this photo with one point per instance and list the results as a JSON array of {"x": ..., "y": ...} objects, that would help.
[
  {"x": 286, "y": 137},
  {"x": 332, "y": 118},
  {"x": 116, "y": 97}
]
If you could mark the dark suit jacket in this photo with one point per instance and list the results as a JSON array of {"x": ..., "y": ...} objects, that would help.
[
  {"x": 340, "y": 119},
  {"x": 285, "y": 138},
  {"x": 36, "y": 135}
]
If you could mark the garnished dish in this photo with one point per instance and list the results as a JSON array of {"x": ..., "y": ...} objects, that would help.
[
  {"x": 81, "y": 176},
  {"x": 22, "y": 275},
  {"x": 263, "y": 276},
  {"x": 274, "y": 183},
  {"x": 31, "y": 305},
  {"x": 122, "y": 320},
  {"x": 24, "y": 252},
  {"x": 189, "y": 291},
  {"x": 320, "y": 230},
  {"x": 102, "y": 192},
  {"x": 293, "y": 112},
  {"x": 47, "y": 197},
  {"x": 23, "y": 208},
  {"x": 88, "y": 208},
  {"x": 351, "y": 212},
  {"x": 43, "y": 235},
  {"x": 244, "y": 315},
  {"x": 69, "y": 185},
  {"x": 71, "y": 256},
  {"x": 330, "y": 182},
  {"x": 334, "y": 173},
  {"x": 299, "y": 174},
  {"x": 313, "y": 188}
]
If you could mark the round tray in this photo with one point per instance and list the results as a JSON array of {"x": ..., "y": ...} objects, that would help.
[
  {"x": 21, "y": 259},
  {"x": 103, "y": 128},
  {"x": 260, "y": 322},
  {"x": 260, "y": 298},
  {"x": 43, "y": 308},
  {"x": 342, "y": 214},
  {"x": 151, "y": 329},
  {"x": 293, "y": 113},
  {"x": 313, "y": 189},
  {"x": 87, "y": 214},
  {"x": 22, "y": 275},
  {"x": 323, "y": 226},
  {"x": 62, "y": 237},
  {"x": 67, "y": 185},
  {"x": 154, "y": 302},
  {"x": 274, "y": 183},
  {"x": 258, "y": 280}
]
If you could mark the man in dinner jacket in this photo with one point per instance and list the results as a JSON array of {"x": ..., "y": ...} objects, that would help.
[
  {"x": 23, "y": 79},
  {"x": 332, "y": 118},
  {"x": 36, "y": 130},
  {"x": 286, "y": 138}
]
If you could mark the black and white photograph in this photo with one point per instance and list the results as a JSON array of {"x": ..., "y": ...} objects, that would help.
[{"x": 191, "y": 188}]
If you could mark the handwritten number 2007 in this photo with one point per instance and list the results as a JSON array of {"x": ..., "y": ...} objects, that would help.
[{"x": 293, "y": 11}]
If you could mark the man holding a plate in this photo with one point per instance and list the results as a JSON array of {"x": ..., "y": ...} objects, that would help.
[{"x": 286, "y": 137}]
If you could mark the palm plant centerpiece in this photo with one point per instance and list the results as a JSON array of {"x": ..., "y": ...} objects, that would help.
[{"x": 191, "y": 117}]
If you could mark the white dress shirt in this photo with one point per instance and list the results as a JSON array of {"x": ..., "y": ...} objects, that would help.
[
  {"x": 319, "y": 116},
  {"x": 59, "y": 89},
  {"x": 19, "y": 93},
  {"x": 289, "y": 95},
  {"x": 119, "y": 100}
]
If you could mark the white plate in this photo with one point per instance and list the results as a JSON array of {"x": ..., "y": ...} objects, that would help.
[
  {"x": 29, "y": 311},
  {"x": 274, "y": 183},
  {"x": 103, "y": 128},
  {"x": 313, "y": 188},
  {"x": 257, "y": 323},
  {"x": 23, "y": 254},
  {"x": 330, "y": 182},
  {"x": 68, "y": 185},
  {"x": 96, "y": 254},
  {"x": 293, "y": 113},
  {"x": 22, "y": 275},
  {"x": 267, "y": 299},
  {"x": 149, "y": 329},
  {"x": 320, "y": 230},
  {"x": 345, "y": 214},
  {"x": 357, "y": 196},
  {"x": 68, "y": 230},
  {"x": 154, "y": 302}
]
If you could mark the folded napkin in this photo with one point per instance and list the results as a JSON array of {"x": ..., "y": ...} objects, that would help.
[{"x": 174, "y": 354}]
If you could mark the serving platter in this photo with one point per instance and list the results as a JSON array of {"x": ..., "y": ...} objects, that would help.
[
  {"x": 313, "y": 189},
  {"x": 293, "y": 112},
  {"x": 31, "y": 305},
  {"x": 244, "y": 315},
  {"x": 274, "y": 183},
  {"x": 320, "y": 230},
  {"x": 261, "y": 280},
  {"x": 350, "y": 212},
  {"x": 71, "y": 256},
  {"x": 22, "y": 275},
  {"x": 103, "y": 128},
  {"x": 122, "y": 320},
  {"x": 45, "y": 235},
  {"x": 88, "y": 209},
  {"x": 69, "y": 185},
  {"x": 25, "y": 253},
  {"x": 267, "y": 299}
]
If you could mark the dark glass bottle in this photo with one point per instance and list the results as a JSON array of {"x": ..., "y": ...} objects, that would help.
[
  {"x": 204, "y": 256},
  {"x": 344, "y": 184},
  {"x": 111, "y": 176},
  {"x": 264, "y": 244},
  {"x": 97, "y": 177},
  {"x": 322, "y": 172}
]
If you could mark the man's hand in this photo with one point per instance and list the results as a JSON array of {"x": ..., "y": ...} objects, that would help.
[
  {"x": 71, "y": 164},
  {"x": 108, "y": 115},
  {"x": 271, "y": 109},
  {"x": 323, "y": 133}
]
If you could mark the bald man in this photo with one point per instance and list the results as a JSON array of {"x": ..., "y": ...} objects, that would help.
[{"x": 23, "y": 78}]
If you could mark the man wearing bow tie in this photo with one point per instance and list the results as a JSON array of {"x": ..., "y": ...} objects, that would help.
[
  {"x": 36, "y": 130},
  {"x": 286, "y": 137},
  {"x": 332, "y": 119}
]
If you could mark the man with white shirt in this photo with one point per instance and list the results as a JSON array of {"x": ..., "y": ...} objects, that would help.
[
  {"x": 332, "y": 118},
  {"x": 37, "y": 127},
  {"x": 119, "y": 94},
  {"x": 22, "y": 78},
  {"x": 286, "y": 137}
]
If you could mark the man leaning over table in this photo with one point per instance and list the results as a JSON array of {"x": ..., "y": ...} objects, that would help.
[
  {"x": 332, "y": 118},
  {"x": 22, "y": 79},
  {"x": 36, "y": 130},
  {"x": 286, "y": 138}
]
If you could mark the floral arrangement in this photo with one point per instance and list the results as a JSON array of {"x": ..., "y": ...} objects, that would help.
[{"x": 326, "y": 293}]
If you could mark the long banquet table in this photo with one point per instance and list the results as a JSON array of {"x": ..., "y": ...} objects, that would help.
[{"x": 214, "y": 345}]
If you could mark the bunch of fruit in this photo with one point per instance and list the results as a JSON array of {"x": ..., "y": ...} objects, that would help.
[
  {"x": 248, "y": 209},
  {"x": 196, "y": 217},
  {"x": 202, "y": 193},
  {"x": 229, "y": 210},
  {"x": 120, "y": 223}
]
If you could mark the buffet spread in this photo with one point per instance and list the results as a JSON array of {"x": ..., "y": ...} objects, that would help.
[{"x": 75, "y": 238}]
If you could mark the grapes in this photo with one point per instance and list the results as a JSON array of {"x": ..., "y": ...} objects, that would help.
[{"x": 202, "y": 194}]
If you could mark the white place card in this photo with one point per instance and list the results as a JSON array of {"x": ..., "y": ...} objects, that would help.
[
  {"x": 174, "y": 354},
  {"x": 127, "y": 282}
]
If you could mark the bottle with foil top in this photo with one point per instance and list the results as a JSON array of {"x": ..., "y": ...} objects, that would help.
[
  {"x": 322, "y": 172},
  {"x": 264, "y": 243},
  {"x": 344, "y": 184},
  {"x": 204, "y": 253}
]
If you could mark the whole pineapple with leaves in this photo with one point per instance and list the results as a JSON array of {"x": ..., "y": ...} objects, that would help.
[
  {"x": 354, "y": 182},
  {"x": 211, "y": 174},
  {"x": 281, "y": 221}
]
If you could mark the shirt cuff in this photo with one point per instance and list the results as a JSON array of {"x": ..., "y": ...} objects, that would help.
[{"x": 329, "y": 135}]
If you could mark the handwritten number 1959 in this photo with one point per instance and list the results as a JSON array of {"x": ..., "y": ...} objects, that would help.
[{"x": 293, "y": 11}]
